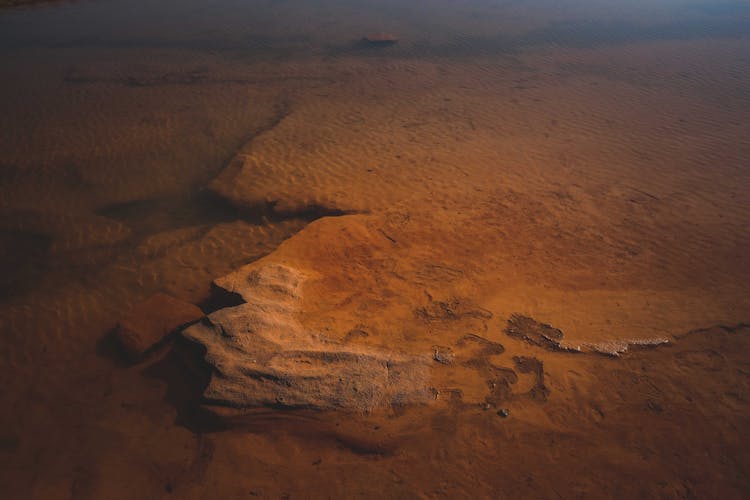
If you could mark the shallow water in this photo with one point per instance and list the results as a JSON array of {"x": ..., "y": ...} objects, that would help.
[{"x": 604, "y": 145}]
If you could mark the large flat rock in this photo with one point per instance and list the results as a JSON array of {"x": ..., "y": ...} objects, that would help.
[
  {"x": 264, "y": 356},
  {"x": 377, "y": 312}
]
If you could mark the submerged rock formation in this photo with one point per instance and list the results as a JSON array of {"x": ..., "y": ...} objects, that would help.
[
  {"x": 264, "y": 356},
  {"x": 381, "y": 38}
]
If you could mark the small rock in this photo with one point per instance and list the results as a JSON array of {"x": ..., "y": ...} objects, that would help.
[
  {"x": 381, "y": 38},
  {"x": 152, "y": 320},
  {"x": 503, "y": 413}
]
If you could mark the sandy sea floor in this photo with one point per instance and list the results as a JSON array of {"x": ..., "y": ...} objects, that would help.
[{"x": 506, "y": 165}]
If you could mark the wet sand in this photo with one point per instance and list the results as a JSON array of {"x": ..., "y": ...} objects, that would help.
[{"x": 500, "y": 162}]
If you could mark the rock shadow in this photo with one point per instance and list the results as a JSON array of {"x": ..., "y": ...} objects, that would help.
[{"x": 186, "y": 376}]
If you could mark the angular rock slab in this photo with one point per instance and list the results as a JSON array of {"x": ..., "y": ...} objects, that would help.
[
  {"x": 262, "y": 355},
  {"x": 152, "y": 320}
]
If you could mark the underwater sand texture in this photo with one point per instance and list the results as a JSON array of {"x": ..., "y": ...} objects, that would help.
[
  {"x": 595, "y": 222},
  {"x": 588, "y": 176},
  {"x": 593, "y": 215}
]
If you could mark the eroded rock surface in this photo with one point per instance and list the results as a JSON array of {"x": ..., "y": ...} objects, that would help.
[
  {"x": 379, "y": 311},
  {"x": 534, "y": 332},
  {"x": 551, "y": 338},
  {"x": 264, "y": 356}
]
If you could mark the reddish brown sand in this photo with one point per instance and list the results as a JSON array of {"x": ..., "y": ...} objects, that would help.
[{"x": 599, "y": 189}]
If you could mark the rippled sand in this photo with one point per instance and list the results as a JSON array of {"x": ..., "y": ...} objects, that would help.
[{"x": 581, "y": 164}]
